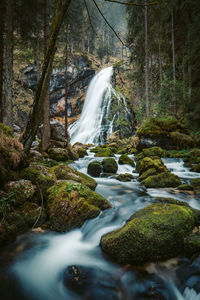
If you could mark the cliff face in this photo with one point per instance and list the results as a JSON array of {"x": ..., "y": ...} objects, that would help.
[{"x": 79, "y": 72}]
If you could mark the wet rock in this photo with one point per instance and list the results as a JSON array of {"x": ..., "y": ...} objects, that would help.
[
  {"x": 125, "y": 177},
  {"x": 59, "y": 154},
  {"x": 162, "y": 180},
  {"x": 150, "y": 152},
  {"x": 35, "y": 156},
  {"x": 164, "y": 200},
  {"x": 196, "y": 168},
  {"x": 192, "y": 244},
  {"x": 185, "y": 187},
  {"x": 94, "y": 168},
  {"x": 92, "y": 283},
  {"x": 124, "y": 159},
  {"x": 195, "y": 183},
  {"x": 70, "y": 204},
  {"x": 154, "y": 233},
  {"x": 109, "y": 165},
  {"x": 21, "y": 191},
  {"x": 148, "y": 163},
  {"x": 105, "y": 152},
  {"x": 57, "y": 131},
  {"x": 64, "y": 172}
]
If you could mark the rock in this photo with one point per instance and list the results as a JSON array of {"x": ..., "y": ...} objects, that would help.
[
  {"x": 109, "y": 165},
  {"x": 196, "y": 168},
  {"x": 165, "y": 133},
  {"x": 21, "y": 191},
  {"x": 64, "y": 172},
  {"x": 105, "y": 152},
  {"x": 59, "y": 154},
  {"x": 94, "y": 168},
  {"x": 92, "y": 283},
  {"x": 124, "y": 159},
  {"x": 39, "y": 175},
  {"x": 82, "y": 152},
  {"x": 57, "y": 131},
  {"x": 162, "y": 180},
  {"x": 71, "y": 204},
  {"x": 164, "y": 200},
  {"x": 146, "y": 174},
  {"x": 185, "y": 187},
  {"x": 125, "y": 177},
  {"x": 149, "y": 152},
  {"x": 154, "y": 233},
  {"x": 35, "y": 156},
  {"x": 195, "y": 183},
  {"x": 148, "y": 163},
  {"x": 192, "y": 244}
]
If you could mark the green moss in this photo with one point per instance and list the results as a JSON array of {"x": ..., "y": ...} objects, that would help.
[
  {"x": 64, "y": 172},
  {"x": 82, "y": 152},
  {"x": 195, "y": 183},
  {"x": 170, "y": 201},
  {"x": 154, "y": 151},
  {"x": 70, "y": 205},
  {"x": 149, "y": 172},
  {"x": 162, "y": 180},
  {"x": 148, "y": 163},
  {"x": 94, "y": 168},
  {"x": 109, "y": 165},
  {"x": 154, "y": 233},
  {"x": 185, "y": 187},
  {"x": 196, "y": 168},
  {"x": 182, "y": 140},
  {"x": 5, "y": 130},
  {"x": 125, "y": 177},
  {"x": 105, "y": 152},
  {"x": 59, "y": 154},
  {"x": 192, "y": 245},
  {"x": 124, "y": 159}
]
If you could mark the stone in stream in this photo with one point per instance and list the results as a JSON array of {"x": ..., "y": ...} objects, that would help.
[
  {"x": 94, "y": 168},
  {"x": 109, "y": 165},
  {"x": 154, "y": 233},
  {"x": 125, "y": 177},
  {"x": 124, "y": 159}
]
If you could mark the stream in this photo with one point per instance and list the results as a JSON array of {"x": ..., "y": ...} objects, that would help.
[{"x": 38, "y": 266}]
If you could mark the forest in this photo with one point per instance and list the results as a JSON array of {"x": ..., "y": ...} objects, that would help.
[{"x": 99, "y": 150}]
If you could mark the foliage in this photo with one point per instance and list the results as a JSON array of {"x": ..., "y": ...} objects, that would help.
[{"x": 6, "y": 202}]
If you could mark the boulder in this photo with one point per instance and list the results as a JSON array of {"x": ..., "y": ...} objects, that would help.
[
  {"x": 94, "y": 168},
  {"x": 105, "y": 152},
  {"x": 195, "y": 183},
  {"x": 185, "y": 187},
  {"x": 109, "y": 165},
  {"x": 59, "y": 154},
  {"x": 71, "y": 204},
  {"x": 162, "y": 180},
  {"x": 64, "y": 172},
  {"x": 196, "y": 168},
  {"x": 192, "y": 244},
  {"x": 57, "y": 131},
  {"x": 154, "y": 233},
  {"x": 39, "y": 175},
  {"x": 81, "y": 152},
  {"x": 125, "y": 159},
  {"x": 125, "y": 177},
  {"x": 148, "y": 163},
  {"x": 21, "y": 191}
]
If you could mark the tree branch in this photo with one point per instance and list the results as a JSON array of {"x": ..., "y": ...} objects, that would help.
[
  {"x": 133, "y": 3},
  {"x": 88, "y": 13},
  {"x": 117, "y": 35}
]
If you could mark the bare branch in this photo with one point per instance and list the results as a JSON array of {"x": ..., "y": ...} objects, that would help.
[
  {"x": 117, "y": 35},
  {"x": 133, "y": 3}
]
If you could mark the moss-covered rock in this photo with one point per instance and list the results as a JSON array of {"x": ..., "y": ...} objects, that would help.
[
  {"x": 125, "y": 177},
  {"x": 164, "y": 200},
  {"x": 81, "y": 152},
  {"x": 39, "y": 175},
  {"x": 195, "y": 183},
  {"x": 149, "y": 172},
  {"x": 148, "y": 163},
  {"x": 22, "y": 191},
  {"x": 94, "y": 168},
  {"x": 125, "y": 159},
  {"x": 154, "y": 233},
  {"x": 185, "y": 187},
  {"x": 59, "y": 154},
  {"x": 192, "y": 244},
  {"x": 70, "y": 205},
  {"x": 105, "y": 152},
  {"x": 196, "y": 168},
  {"x": 64, "y": 172},
  {"x": 109, "y": 165},
  {"x": 162, "y": 180}
]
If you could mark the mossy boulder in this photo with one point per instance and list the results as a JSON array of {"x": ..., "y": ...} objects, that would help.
[
  {"x": 22, "y": 191},
  {"x": 196, "y": 168},
  {"x": 146, "y": 174},
  {"x": 64, "y": 172},
  {"x": 109, "y": 165},
  {"x": 185, "y": 187},
  {"x": 105, "y": 152},
  {"x": 81, "y": 152},
  {"x": 164, "y": 200},
  {"x": 195, "y": 183},
  {"x": 94, "y": 168},
  {"x": 154, "y": 233},
  {"x": 148, "y": 163},
  {"x": 71, "y": 204},
  {"x": 125, "y": 159},
  {"x": 192, "y": 244},
  {"x": 59, "y": 154},
  {"x": 40, "y": 175},
  {"x": 162, "y": 180},
  {"x": 125, "y": 177}
]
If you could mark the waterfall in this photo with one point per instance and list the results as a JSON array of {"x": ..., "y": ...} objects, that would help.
[{"x": 99, "y": 116}]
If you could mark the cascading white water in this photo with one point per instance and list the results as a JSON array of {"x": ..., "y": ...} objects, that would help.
[{"x": 88, "y": 127}]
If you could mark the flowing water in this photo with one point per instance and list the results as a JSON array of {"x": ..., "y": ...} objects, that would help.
[
  {"x": 38, "y": 265},
  {"x": 103, "y": 111}
]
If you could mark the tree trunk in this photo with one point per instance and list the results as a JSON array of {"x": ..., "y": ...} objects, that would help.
[
  {"x": 1, "y": 58},
  {"x": 146, "y": 61},
  {"x": 46, "y": 130},
  {"x": 174, "y": 64},
  {"x": 66, "y": 89},
  {"x": 42, "y": 87},
  {"x": 8, "y": 109}
]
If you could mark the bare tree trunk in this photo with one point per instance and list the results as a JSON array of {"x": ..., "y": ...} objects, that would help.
[
  {"x": 146, "y": 61},
  {"x": 174, "y": 64},
  {"x": 46, "y": 130},
  {"x": 66, "y": 89},
  {"x": 1, "y": 58},
  {"x": 8, "y": 109},
  {"x": 42, "y": 87}
]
